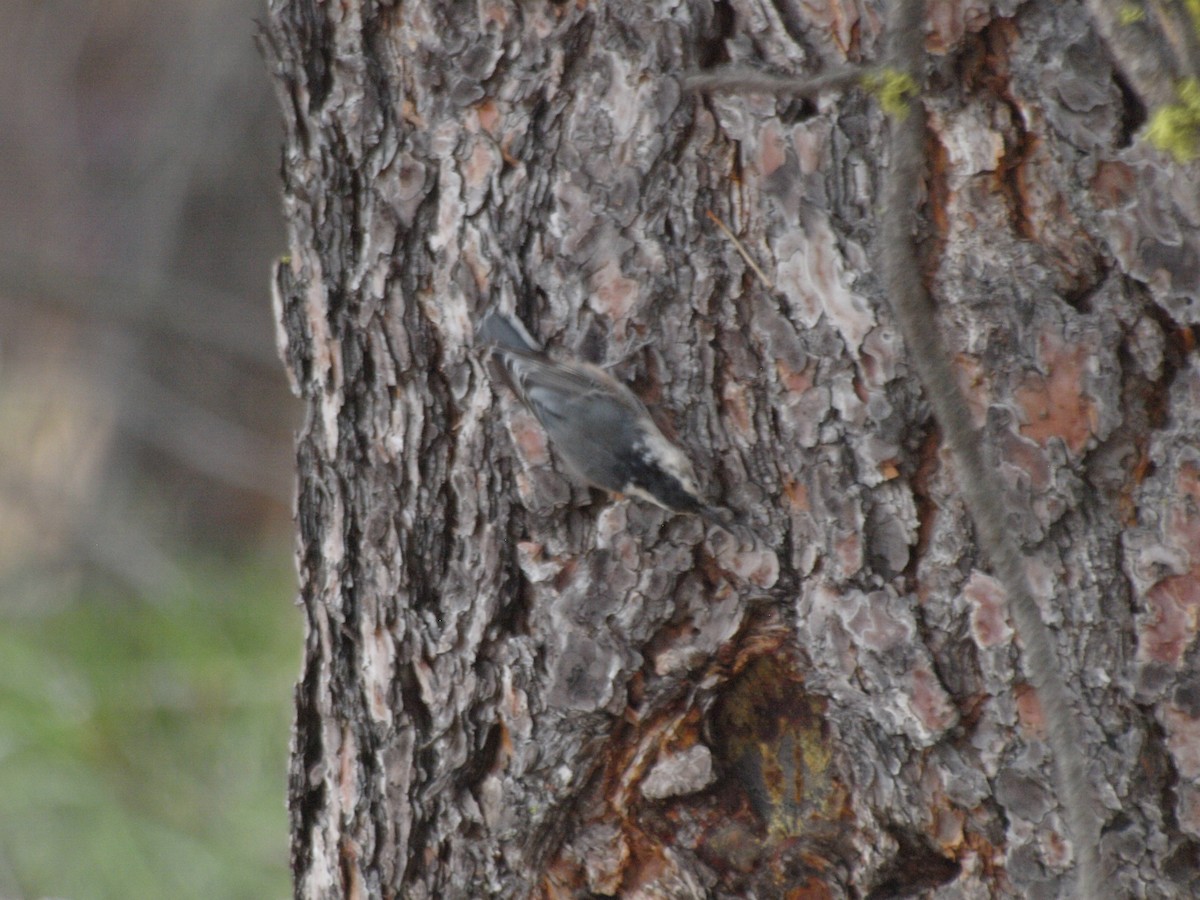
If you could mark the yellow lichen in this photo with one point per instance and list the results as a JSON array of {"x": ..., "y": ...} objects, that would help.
[
  {"x": 1130, "y": 13},
  {"x": 1176, "y": 128},
  {"x": 894, "y": 90}
]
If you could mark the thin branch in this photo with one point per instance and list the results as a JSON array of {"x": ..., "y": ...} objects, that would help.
[
  {"x": 1138, "y": 49},
  {"x": 749, "y": 81},
  {"x": 741, "y": 249},
  {"x": 979, "y": 483}
]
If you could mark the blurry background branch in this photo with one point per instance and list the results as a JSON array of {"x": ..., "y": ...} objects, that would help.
[
  {"x": 140, "y": 218},
  {"x": 145, "y": 455},
  {"x": 195, "y": 312}
]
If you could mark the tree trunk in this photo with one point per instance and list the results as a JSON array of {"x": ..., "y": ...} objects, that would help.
[{"x": 514, "y": 687}]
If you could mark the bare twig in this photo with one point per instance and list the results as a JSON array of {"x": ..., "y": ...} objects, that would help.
[
  {"x": 748, "y": 81},
  {"x": 741, "y": 249},
  {"x": 979, "y": 483}
]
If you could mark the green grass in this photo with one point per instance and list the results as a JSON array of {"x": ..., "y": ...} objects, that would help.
[{"x": 143, "y": 742}]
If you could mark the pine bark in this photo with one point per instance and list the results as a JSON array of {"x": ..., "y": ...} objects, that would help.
[{"x": 514, "y": 687}]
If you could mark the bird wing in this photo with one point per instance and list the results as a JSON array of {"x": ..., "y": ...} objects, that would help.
[{"x": 553, "y": 388}]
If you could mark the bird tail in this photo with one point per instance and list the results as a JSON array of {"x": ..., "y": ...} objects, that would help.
[{"x": 506, "y": 332}]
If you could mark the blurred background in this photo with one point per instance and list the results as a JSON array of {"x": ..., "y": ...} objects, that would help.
[{"x": 148, "y": 638}]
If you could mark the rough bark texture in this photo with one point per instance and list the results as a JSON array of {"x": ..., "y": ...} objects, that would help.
[{"x": 515, "y": 688}]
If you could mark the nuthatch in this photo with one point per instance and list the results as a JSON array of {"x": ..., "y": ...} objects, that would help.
[{"x": 599, "y": 428}]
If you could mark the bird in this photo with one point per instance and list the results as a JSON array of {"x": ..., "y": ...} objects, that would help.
[{"x": 597, "y": 425}]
